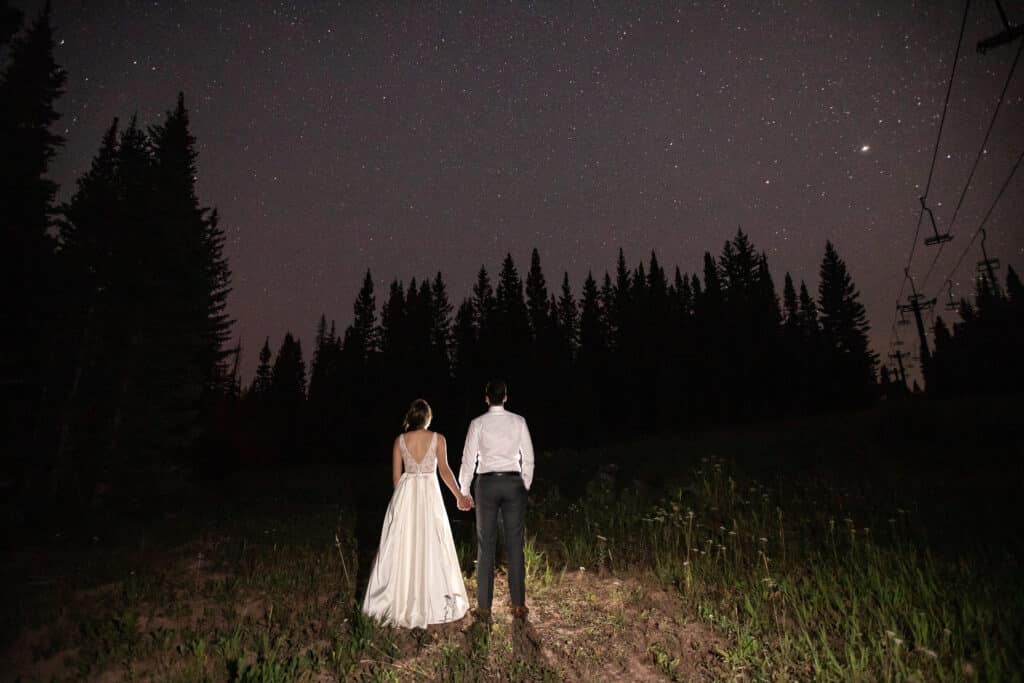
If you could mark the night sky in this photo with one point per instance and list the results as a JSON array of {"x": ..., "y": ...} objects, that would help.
[{"x": 412, "y": 137}]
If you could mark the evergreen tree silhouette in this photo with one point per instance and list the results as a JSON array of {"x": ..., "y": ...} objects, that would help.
[
  {"x": 708, "y": 321},
  {"x": 394, "y": 331},
  {"x": 808, "y": 315},
  {"x": 361, "y": 340},
  {"x": 261, "y": 383},
  {"x": 850, "y": 361},
  {"x": 323, "y": 375},
  {"x": 288, "y": 377},
  {"x": 464, "y": 343},
  {"x": 544, "y": 365},
  {"x": 619, "y": 304},
  {"x": 440, "y": 328},
  {"x": 514, "y": 326},
  {"x": 536, "y": 297},
  {"x": 791, "y": 307},
  {"x": 587, "y": 410},
  {"x": 567, "y": 316},
  {"x": 190, "y": 283},
  {"x": 465, "y": 351},
  {"x": 30, "y": 84},
  {"x": 361, "y": 390},
  {"x": 484, "y": 311}
]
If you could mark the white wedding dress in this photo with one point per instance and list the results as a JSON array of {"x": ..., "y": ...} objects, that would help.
[{"x": 416, "y": 580}]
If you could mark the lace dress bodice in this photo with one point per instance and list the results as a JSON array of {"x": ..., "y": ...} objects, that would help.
[{"x": 428, "y": 465}]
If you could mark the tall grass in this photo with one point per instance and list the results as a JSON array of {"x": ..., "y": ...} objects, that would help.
[{"x": 803, "y": 588}]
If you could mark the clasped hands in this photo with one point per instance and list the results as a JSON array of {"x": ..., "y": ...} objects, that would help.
[{"x": 464, "y": 503}]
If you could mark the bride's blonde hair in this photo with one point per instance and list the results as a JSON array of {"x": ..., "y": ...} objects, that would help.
[{"x": 418, "y": 416}]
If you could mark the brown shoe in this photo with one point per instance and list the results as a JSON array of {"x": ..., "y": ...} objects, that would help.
[
  {"x": 482, "y": 614},
  {"x": 520, "y": 612}
]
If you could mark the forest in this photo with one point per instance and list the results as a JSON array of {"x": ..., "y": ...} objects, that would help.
[
  {"x": 117, "y": 359},
  {"x": 732, "y": 484}
]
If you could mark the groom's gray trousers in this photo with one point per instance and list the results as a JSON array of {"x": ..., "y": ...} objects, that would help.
[{"x": 505, "y": 494}]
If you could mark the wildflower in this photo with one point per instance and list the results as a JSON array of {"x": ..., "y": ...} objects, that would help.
[
  {"x": 601, "y": 537},
  {"x": 890, "y": 634},
  {"x": 764, "y": 540},
  {"x": 931, "y": 653}
]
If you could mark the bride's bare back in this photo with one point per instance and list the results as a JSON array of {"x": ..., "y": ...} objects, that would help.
[{"x": 418, "y": 443}]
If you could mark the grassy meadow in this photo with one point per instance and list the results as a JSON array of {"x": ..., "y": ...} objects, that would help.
[{"x": 876, "y": 546}]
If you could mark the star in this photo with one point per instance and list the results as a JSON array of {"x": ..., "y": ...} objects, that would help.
[{"x": 865, "y": 148}]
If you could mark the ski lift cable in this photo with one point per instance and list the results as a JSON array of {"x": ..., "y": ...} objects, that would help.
[
  {"x": 935, "y": 152},
  {"x": 1006, "y": 183},
  {"x": 977, "y": 159}
]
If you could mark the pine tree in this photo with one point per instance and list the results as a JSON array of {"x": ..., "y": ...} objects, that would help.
[
  {"x": 536, "y": 297},
  {"x": 30, "y": 84},
  {"x": 484, "y": 311},
  {"x": 323, "y": 375},
  {"x": 440, "y": 325},
  {"x": 568, "y": 316},
  {"x": 264, "y": 373},
  {"x": 588, "y": 407},
  {"x": 393, "y": 332},
  {"x": 361, "y": 341},
  {"x": 739, "y": 266},
  {"x": 619, "y": 304},
  {"x": 767, "y": 314},
  {"x": 844, "y": 331},
  {"x": 513, "y": 321},
  {"x": 808, "y": 315},
  {"x": 464, "y": 341},
  {"x": 288, "y": 378},
  {"x": 29, "y": 87},
  {"x": 790, "y": 305},
  {"x": 187, "y": 284},
  {"x": 711, "y": 301}
]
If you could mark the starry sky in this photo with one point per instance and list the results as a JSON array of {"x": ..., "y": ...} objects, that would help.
[{"x": 412, "y": 137}]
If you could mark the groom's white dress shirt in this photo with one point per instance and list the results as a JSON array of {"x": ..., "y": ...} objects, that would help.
[{"x": 497, "y": 441}]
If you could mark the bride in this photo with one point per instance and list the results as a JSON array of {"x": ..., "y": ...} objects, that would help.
[{"x": 416, "y": 579}]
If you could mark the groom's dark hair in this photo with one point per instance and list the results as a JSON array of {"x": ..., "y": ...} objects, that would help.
[{"x": 496, "y": 390}]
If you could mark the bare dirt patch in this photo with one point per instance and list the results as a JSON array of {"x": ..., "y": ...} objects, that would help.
[{"x": 581, "y": 627}]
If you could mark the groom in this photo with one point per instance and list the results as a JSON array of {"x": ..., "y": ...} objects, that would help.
[{"x": 498, "y": 448}]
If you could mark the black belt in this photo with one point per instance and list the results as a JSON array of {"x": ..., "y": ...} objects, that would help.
[{"x": 501, "y": 474}]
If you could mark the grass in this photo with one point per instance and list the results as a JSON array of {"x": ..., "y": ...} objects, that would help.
[{"x": 720, "y": 556}]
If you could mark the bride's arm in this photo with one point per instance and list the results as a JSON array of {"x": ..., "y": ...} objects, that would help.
[
  {"x": 396, "y": 463},
  {"x": 442, "y": 466}
]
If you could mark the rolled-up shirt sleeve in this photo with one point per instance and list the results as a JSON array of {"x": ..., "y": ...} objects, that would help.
[
  {"x": 526, "y": 453},
  {"x": 470, "y": 454}
]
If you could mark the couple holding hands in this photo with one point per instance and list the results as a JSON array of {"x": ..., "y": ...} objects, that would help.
[{"x": 416, "y": 579}]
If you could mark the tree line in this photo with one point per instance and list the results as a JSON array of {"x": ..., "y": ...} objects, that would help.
[
  {"x": 114, "y": 303},
  {"x": 115, "y": 364},
  {"x": 636, "y": 352},
  {"x": 980, "y": 354}
]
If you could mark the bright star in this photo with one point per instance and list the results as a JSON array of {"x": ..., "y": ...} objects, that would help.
[{"x": 865, "y": 148}]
